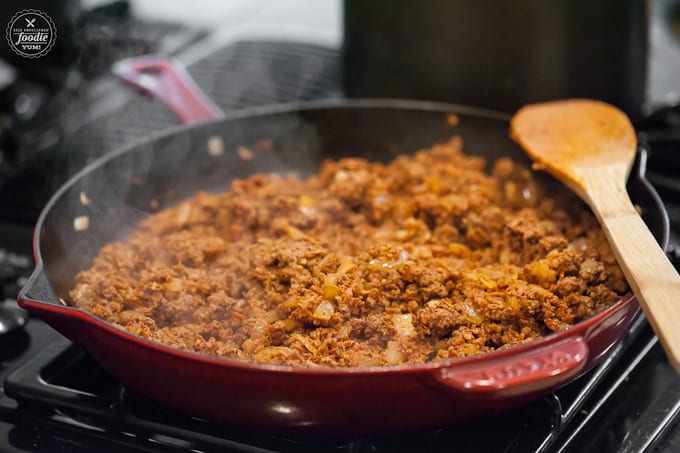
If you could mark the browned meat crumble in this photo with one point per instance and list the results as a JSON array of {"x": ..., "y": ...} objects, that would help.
[{"x": 362, "y": 264}]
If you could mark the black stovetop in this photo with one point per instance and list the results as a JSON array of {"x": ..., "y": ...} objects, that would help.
[{"x": 55, "y": 398}]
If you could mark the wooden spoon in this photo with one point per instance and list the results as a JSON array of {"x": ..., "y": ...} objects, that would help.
[{"x": 590, "y": 147}]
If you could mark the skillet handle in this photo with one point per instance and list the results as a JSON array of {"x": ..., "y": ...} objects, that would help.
[
  {"x": 537, "y": 370},
  {"x": 168, "y": 81}
]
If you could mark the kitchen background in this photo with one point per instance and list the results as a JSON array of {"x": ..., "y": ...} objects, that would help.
[{"x": 60, "y": 112}]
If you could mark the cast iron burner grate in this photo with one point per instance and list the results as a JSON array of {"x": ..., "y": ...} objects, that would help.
[{"x": 63, "y": 389}]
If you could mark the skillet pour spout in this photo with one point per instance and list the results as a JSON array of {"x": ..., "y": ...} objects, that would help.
[{"x": 296, "y": 400}]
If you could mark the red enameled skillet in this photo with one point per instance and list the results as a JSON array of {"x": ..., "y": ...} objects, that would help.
[{"x": 317, "y": 401}]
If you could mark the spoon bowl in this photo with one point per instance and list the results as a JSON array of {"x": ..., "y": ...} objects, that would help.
[{"x": 590, "y": 147}]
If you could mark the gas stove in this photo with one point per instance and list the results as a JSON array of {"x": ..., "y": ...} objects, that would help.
[{"x": 54, "y": 397}]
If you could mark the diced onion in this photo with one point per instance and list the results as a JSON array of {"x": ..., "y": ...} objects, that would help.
[
  {"x": 215, "y": 146},
  {"x": 294, "y": 233},
  {"x": 381, "y": 199},
  {"x": 272, "y": 316},
  {"x": 306, "y": 201},
  {"x": 84, "y": 200},
  {"x": 385, "y": 265},
  {"x": 579, "y": 244},
  {"x": 183, "y": 214},
  {"x": 244, "y": 153},
  {"x": 511, "y": 192},
  {"x": 504, "y": 255},
  {"x": 175, "y": 285},
  {"x": 460, "y": 250},
  {"x": 330, "y": 288},
  {"x": 402, "y": 235},
  {"x": 258, "y": 328},
  {"x": 469, "y": 349},
  {"x": 472, "y": 315},
  {"x": 543, "y": 273},
  {"x": 346, "y": 267},
  {"x": 393, "y": 354},
  {"x": 324, "y": 311},
  {"x": 330, "y": 291},
  {"x": 433, "y": 184},
  {"x": 81, "y": 223},
  {"x": 512, "y": 301},
  {"x": 403, "y": 324},
  {"x": 249, "y": 346}
]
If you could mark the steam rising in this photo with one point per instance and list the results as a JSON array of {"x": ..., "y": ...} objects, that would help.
[
  {"x": 107, "y": 203},
  {"x": 156, "y": 174}
]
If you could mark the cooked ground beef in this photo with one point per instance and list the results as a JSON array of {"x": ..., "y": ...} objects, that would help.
[{"x": 362, "y": 264}]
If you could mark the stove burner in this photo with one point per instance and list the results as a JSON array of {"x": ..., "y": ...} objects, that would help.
[
  {"x": 13, "y": 265},
  {"x": 12, "y": 318},
  {"x": 14, "y": 269}
]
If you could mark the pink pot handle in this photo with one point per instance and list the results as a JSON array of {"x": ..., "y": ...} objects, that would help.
[
  {"x": 168, "y": 81},
  {"x": 534, "y": 370}
]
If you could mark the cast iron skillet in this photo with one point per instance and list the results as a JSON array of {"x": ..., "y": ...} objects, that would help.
[{"x": 319, "y": 401}]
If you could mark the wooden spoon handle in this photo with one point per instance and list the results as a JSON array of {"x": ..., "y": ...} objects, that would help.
[{"x": 652, "y": 277}]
